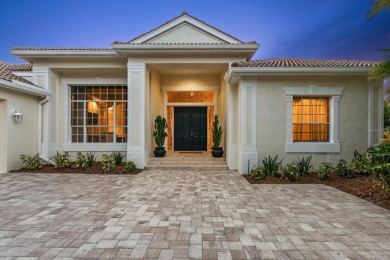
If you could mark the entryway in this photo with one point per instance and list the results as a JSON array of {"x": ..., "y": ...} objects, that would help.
[{"x": 190, "y": 128}]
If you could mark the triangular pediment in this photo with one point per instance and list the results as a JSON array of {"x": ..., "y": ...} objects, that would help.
[
  {"x": 185, "y": 33},
  {"x": 185, "y": 29}
]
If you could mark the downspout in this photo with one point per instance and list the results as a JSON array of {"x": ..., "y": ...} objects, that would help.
[{"x": 40, "y": 107}]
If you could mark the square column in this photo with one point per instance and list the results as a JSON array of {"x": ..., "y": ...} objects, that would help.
[
  {"x": 138, "y": 111},
  {"x": 247, "y": 110},
  {"x": 231, "y": 131}
]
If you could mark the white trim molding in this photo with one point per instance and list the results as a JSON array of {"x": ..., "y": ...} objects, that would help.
[{"x": 334, "y": 94}]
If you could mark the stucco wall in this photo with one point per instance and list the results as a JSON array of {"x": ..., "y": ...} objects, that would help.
[
  {"x": 272, "y": 116},
  {"x": 20, "y": 138}
]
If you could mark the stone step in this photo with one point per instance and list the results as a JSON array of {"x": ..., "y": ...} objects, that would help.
[
  {"x": 186, "y": 162},
  {"x": 188, "y": 167},
  {"x": 187, "y": 158}
]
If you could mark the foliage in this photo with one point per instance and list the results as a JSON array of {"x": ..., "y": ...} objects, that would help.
[
  {"x": 108, "y": 162},
  {"x": 382, "y": 71},
  {"x": 257, "y": 174},
  {"x": 85, "y": 160},
  {"x": 381, "y": 175},
  {"x": 380, "y": 169},
  {"x": 304, "y": 166},
  {"x": 289, "y": 172},
  {"x": 378, "y": 6},
  {"x": 360, "y": 164},
  {"x": 32, "y": 162},
  {"x": 271, "y": 165},
  {"x": 130, "y": 166},
  {"x": 386, "y": 136},
  {"x": 118, "y": 157},
  {"x": 160, "y": 124},
  {"x": 217, "y": 133},
  {"x": 343, "y": 171},
  {"x": 325, "y": 170},
  {"x": 380, "y": 153},
  {"x": 61, "y": 160},
  {"x": 386, "y": 115}
]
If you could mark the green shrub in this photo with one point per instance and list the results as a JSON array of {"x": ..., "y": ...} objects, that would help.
[
  {"x": 271, "y": 165},
  {"x": 343, "y": 171},
  {"x": 61, "y": 160},
  {"x": 85, "y": 160},
  {"x": 304, "y": 165},
  {"x": 130, "y": 166},
  {"x": 360, "y": 164},
  {"x": 118, "y": 157},
  {"x": 289, "y": 172},
  {"x": 325, "y": 170},
  {"x": 257, "y": 174},
  {"x": 381, "y": 176},
  {"x": 108, "y": 162},
  {"x": 32, "y": 162}
]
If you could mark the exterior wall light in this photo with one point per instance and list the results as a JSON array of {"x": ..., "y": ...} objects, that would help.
[{"x": 16, "y": 115}]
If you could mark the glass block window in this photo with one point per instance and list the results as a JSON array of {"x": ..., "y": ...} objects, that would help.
[
  {"x": 311, "y": 119},
  {"x": 98, "y": 114}
]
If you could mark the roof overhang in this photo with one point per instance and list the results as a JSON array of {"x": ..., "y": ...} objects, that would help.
[
  {"x": 36, "y": 53},
  {"x": 235, "y": 73},
  {"x": 246, "y": 50},
  {"x": 23, "y": 87}
]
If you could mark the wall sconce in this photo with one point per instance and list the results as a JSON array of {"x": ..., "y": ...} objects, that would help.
[{"x": 16, "y": 115}]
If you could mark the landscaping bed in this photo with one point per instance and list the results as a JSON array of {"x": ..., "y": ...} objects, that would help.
[
  {"x": 360, "y": 186},
  {"x": 96, "y": 168}
]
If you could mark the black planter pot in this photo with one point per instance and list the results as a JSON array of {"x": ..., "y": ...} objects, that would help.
[
  {"x": 159, "y": 151},
  {"x": 217, "y": 152}
]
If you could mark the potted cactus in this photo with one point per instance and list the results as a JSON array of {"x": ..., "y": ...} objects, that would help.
[
  {"x": 216, "y": 150},
  {"x": 160, "y": 124}
]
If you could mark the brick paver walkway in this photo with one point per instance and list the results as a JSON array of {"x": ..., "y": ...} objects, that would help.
[{"x": 180, "y": 215}]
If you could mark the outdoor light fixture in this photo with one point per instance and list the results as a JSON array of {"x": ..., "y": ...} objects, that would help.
[{"x": 16, "y": 115}]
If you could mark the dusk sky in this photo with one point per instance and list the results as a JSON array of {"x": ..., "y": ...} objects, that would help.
[{"x": 311, "y": 29}]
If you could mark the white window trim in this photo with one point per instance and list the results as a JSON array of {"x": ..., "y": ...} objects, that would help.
[
  {"x": 68, "y": 146},
  {"x": 334, "y": 94}
]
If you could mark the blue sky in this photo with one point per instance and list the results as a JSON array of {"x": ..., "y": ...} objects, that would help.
[{"x": 315, "y": 29}]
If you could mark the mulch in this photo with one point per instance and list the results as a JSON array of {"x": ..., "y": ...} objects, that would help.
[
  {"x": 360, "y": 186},
  {"x": 96, "y": 168}
]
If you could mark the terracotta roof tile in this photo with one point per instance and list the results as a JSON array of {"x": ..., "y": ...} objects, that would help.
[
  {"x": 6, "y": 72},
  {"x": 182, "y": 14},
  {"x": 303, "y": 63}
]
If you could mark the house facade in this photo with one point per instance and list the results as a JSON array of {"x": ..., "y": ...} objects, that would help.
[{"x": 105, "y": 100}]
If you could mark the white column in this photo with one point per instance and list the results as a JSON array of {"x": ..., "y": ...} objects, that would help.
[
  {"x": 375, "y": 113},
  {"x": 49, "y": 81},
  {"x": 137, "y": 110},
  {"x": 231, "y": 134},
  {"x": 247, "y": 125}
]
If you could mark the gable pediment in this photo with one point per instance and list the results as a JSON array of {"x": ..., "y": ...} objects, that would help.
[
  {"x": 185, "y": 29},
  {"x": 185, "y": 33}
]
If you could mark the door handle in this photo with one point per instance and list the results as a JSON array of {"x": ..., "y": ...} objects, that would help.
[{"x": 192, "y": 134}]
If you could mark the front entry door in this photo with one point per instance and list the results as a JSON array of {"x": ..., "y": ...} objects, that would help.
[{"x": 190, "y": 128}]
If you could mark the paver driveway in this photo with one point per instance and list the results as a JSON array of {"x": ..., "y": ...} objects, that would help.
[{"x": 180, "y": 215}]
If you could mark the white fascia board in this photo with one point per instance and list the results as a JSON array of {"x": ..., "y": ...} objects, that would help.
[
  {"x": 180, "y": 20},
  {"x": 64, "y": 53},
  {"x": 235, "y": 47},
  {"x": 235, "y": 73},
  {"x": 23, "y": 87}
]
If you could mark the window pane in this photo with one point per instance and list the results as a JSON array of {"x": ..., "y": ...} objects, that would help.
[
  {"x": 310, "y": 119},
  {"x": 101, "y": 111}
]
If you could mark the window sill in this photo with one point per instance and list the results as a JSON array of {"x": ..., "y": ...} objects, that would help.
[
  {"x": 317, "y": 147},
  {"x": 91, "y": 147}
]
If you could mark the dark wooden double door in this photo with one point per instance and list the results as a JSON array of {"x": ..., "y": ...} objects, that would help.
[{"x": 190, "y": 130}]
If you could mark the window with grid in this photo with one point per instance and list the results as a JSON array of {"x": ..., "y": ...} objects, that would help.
[
  {"x": 98, "y": 114},
  {"x": 310, "y": 119}
]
